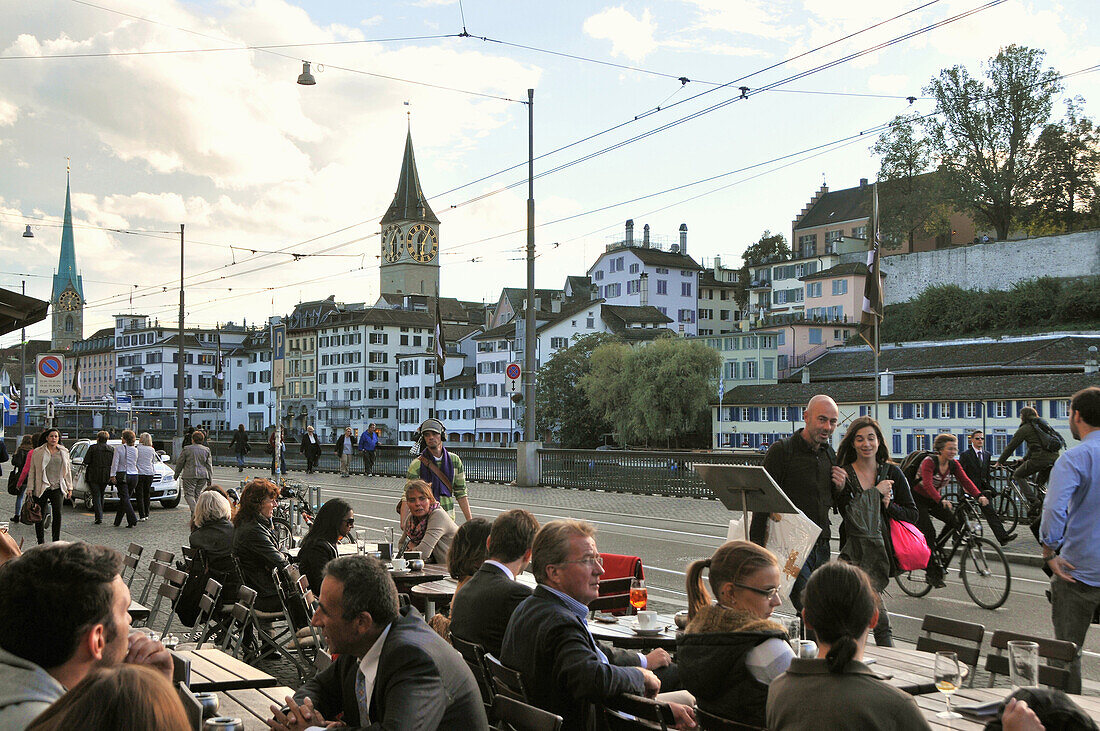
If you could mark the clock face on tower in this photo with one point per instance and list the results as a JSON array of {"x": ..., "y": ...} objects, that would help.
[
  {"x": 391, "y": 244},
  {"x": 69, "y": 301},
  {"x": 422, "y": 243}
]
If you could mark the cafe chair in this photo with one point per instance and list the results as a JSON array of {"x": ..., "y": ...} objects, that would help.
[
  {"x": 130, "y": 562},
  {"x": 619, "y": 566},
  {"x": 164, "y": 556},
  {"x": 152, "y": 579},
  {"x": 508, "y": 714},
  {"x": 628, "y": 712},
  {"x": 474, "y": 655},
  {"x": 170, "y": 589},
  {"x": 956, "y": 633},
  {"x": 1061, "y": 651},
  {"x": 711, "y": 722},
  {"x": 240, "y": 617},
  {"x": 208, "y": 612},
  {"x": 614, "y": 597},
  {"x": 506, "y": 681}
]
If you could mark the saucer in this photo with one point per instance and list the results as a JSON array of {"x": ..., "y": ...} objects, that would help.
[{"x": 648, "y": 632}]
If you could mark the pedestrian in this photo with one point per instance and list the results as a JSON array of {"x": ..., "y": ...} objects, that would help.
[
  {"x": 1070, "y": 532},
  {"x": 977, "y": 462},
  {"x": 196, "y": 467},
  {"x": 146, "y": 458},
  {"x": 125, "y": 477},
  {"x": 19, "y": 469},
  {"x": 97, "y": 472},
  {"x": 368, "y": 441},
  {"x": 311, "y": 448},
  {"x": 50, "y": 477},
  {"x": 1039, "y": 458},
  {"x": 345, "y": 445},
  {"x": 240, "y": 446},
  {"x": 439, "y": 468},
  {"x": 804, "y": 467}
]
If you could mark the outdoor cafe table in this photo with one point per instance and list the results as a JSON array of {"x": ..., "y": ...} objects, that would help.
[
  {"x": 408, "y": 579},
  {"x": 930, "y": 705},
  {"x": 252, "y": 705},
  {"x": 622, "y": 634},
  {"x": 342, "y": 549},
  {"x": 441, "y": 591},
  {"x": 138, "y": 612},
  {"x": 215, "y": 670}
]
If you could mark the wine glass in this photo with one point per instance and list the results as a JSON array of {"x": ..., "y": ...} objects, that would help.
[
  {"x": 947, "y": 677},
  {"x": 638, "y": 594}
]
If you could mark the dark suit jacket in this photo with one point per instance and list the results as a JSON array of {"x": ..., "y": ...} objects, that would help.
[
  {"x": 481, "y": 610},
  {"x": 422, "y": 684},
  {"x": 97, "y": 464},
  {"x": 977, "y": 471},
  {"x": 311, "y": 449},
  {"x": 554, "y": 650}
]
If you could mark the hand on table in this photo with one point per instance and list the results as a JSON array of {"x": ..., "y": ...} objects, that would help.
[
  {"x": 658, "y": 658},
  {"x": 1018, "y": 717},
  {"x": 684, "y": 715},
  {"x": 149, "y": 652},
  {"x": 299, "y": 717},
  {"x": 652, "y": 683}
]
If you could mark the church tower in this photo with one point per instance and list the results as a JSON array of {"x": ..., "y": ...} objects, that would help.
[
  {"x": 410, "y": 237},
  {"x": 67, "y": 299}
]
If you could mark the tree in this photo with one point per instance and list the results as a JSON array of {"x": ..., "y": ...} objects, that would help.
[
  {"x": 986, "y": 132},
  {"x": 768, "y": 248},
  {"x": 1068, "y": 186},
  {"x": 911, "y": 195},
  {"x": 561, "y": 406},
  {"x": 659, "y": 393}
]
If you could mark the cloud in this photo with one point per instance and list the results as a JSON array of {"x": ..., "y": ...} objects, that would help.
[
  {"x": 760, "y": 18},
  {"x": 8, "y": 113},
  {"x": 631, "y": 38}
]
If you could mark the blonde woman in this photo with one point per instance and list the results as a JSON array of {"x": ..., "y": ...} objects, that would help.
[
  {"x": 146, "y": 458},
  {"x": 49, "y": 480}
]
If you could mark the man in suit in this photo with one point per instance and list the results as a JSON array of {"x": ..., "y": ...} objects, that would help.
[
  {"x": 548, "y": 640},
  {"x": 976, "y": 463},
  {"x": 394, "y": 672},
  {"x": 311, "y": 448}
]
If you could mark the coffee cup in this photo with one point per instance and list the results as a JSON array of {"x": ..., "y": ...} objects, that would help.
[
  {"x": 400, "y": 564},
  {"x": 647, "y": 620}
]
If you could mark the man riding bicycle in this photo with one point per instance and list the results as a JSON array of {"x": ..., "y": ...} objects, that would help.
[{"x": 1042, "y": 452}]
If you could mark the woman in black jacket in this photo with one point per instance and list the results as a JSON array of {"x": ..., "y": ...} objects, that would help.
[
  {"x": 16, "y": 478},
  {"x": 97, "y": 471},
  {"x": 334, "y": 521},
  {"x": 213, "y": 535},
  {"x": 240, "y": 446},
  {"x": 254, "y": 543},
  {"x": 875, "y": 491}
]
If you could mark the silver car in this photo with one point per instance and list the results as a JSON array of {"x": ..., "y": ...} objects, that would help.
[{"x": 164, "y": 487}]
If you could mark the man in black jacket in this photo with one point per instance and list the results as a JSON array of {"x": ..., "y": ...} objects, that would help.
[
  {"x": 97, "y": 470},
  {"x": 394, "y": 672},
  {"x": 976, "y": 462},
  {"x": 1038, "y": 461},
  {"x": 311, "y": 448}
]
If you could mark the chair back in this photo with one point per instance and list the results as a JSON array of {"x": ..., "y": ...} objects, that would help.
[
  {"x": 630, "y": 712},
  {"x": 508, "y": 713},
  {"x": 170, "y": 589},
  {"x": 711, "y": 722},
  {"x": 130, "y": 561},
  {"x": 506, "y": 681},
  {"x": 163, "y": 556},
  {"x": 474, "y": 655},
  {"x": 1062, "y": 651},
  {"x": 617, "y": 568},
  {"x": 208, "y": 607},
  {"x": 156, "y": 570},
  {"x": 958, "y": 636}
]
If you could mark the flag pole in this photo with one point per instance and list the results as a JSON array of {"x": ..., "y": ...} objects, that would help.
[{"x": 879, "y": 298}]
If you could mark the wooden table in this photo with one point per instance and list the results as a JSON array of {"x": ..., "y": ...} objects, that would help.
[
  {"x": 432, "y": 572},
  {"x": 441, "y": 590},
  {"x": 911, "y": 670},
  {"x": 930, "y": 705},
  {"x": 621, "y": 633},
  {"x": 138, "y": 612},
  {"x": 215, "y": 670},
  {"x": 252, "y": 706},
  {"x": 342, "y": 549}
]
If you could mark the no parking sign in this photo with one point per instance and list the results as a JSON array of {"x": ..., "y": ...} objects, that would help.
[
  {"x": 49, "y": 374},
  {"x": 513, "y": 372}
]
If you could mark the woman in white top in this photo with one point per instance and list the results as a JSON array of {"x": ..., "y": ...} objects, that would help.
[
  {"x": 50, "y": 475},
  {"x": 146, "y": 458},
  {"x": 125, "y": 471}
]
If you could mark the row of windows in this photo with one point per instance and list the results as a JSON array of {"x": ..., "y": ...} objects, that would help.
[
  {"x": 491, "y": 366},
  {"x": 489, "y": 346},
  {"x": 708, "y": 314},
  {"x": 750, "y": 370},
  {"x": 348, "y": 358},
  {"x": 836, "y": 312},
  {"x": 839, "y": 286}
]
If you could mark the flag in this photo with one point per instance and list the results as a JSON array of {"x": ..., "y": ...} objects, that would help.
[
  {"x": 13, "y": 391},
  {"x": 872, "y": 289},
  {"x": 76, "y": 379},
  {"x": 219, "y": 370},
  {"x": 440, "y": 350}
]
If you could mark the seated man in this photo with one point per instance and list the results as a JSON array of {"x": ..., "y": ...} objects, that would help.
[
  {"x": 548, "y": 640},
  {"x": 394, "y": 672},
  {"x": 63, "y": 611}
]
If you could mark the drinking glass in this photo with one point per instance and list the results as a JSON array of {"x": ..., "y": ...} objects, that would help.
[
  {"x": 947, "y": 677},
  {"x": 1023, "y": 663},
  {"x": 361, "y": 540},
  {"x": 794, "y": 634},
  {"x": 638, "y": 594}
]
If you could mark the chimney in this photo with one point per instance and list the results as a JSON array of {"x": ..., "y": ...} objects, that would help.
[
  {"x": 717, "y": 267},
  {"x": 645, "y": 236},
  {"x": 1090, "y": 362},
  {"x": 806, "y": 374},
  {"x": 863, "y": 182},
  {"x": 643, "y": 297},
  {"x": 683, "y": 238},
  {"x": 630, "y": 232}
]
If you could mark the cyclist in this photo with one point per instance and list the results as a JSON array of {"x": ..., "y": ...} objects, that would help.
[
  {"x": 1038, "y": 459},
  {"x": 936, "y": 472}
]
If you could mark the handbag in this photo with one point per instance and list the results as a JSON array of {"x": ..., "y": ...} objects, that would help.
[
  {"x": 911, "y": 551},
  {"x": 13, "y": 482},
  {"x": 31, "y": 512}
]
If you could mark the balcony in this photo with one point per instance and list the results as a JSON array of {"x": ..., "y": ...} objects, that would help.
[
  {"x": 760, "y": 284},
  {"x": 338, "y": 404}
]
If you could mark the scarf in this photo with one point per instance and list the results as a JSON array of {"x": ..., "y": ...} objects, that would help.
[
  {"x": 438, "y": 488},
  {"x": 416, "y": 527}
]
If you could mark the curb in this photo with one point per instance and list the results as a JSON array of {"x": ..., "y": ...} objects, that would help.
[{"x": 1024, "y": 559}]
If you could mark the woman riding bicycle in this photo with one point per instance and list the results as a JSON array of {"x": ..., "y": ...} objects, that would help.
[{"x": 936, "y": 473}]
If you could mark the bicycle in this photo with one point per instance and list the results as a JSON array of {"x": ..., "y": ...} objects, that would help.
[
  {"x": 1012, "y": 501},
  {"x": 983, "y": 567}
]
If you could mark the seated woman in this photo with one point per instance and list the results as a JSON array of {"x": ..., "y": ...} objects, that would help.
[
  {"x": 730, "y": 652},
  {"x": 213, "y": 534},
  {"x": 836, "y": 690},
  {"x": 254, "y": 543},
  {"x": 334, "y": 521},
  {"x": 467, "y": 554},
  {"x": 427, "y": 527}
]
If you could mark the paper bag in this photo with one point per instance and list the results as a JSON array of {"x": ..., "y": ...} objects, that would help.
[{"x": 790, "y": 539}]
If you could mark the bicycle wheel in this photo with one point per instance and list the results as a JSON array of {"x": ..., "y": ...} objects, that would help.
[
  {"x": 913, "y": 583},
  {"x": 984, "y": 572},
  {"x": 284, "y": 534},
  {"x": 1008, "y": 507}
]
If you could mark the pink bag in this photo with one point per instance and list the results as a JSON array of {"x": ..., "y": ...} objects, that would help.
[{"x": 910, "y": 549}]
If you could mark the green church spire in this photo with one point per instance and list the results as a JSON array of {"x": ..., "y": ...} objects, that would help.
[
  {"x": 409, "y": 203},
  {"x": 66, "y": 264}
]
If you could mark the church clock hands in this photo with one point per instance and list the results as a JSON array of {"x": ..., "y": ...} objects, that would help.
[
  {"x": 391, "y": 244},
  {"x": 69, "y": 301},
  {"x": 422, "y": 243}
]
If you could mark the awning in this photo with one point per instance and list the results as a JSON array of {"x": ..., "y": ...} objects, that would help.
[{"x": 17, "y": 311}]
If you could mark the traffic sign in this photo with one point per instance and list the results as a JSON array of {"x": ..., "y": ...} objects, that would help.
[
  {"x": 49, "y": 375},
  {"x": 513, "y": 372},
  {"x": 278, "y": 355},
  {"x": 124, "y": 402}
]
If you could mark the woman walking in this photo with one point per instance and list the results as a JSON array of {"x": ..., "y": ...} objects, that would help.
[
  {"x": 18, "y": 478},
  {"x": 239, "y": 445},
  {"x": 146, "y": 458},
  {"x": 51, "y": 474},
  {"x": 124, "y": 469}
]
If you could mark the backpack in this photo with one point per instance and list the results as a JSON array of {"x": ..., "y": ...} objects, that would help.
[
  {"x": 1049, "y": 439},
  {"x": 910, "y": 467}
]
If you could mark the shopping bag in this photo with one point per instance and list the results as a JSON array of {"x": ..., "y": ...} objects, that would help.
[{"x": 790, "y": 538}]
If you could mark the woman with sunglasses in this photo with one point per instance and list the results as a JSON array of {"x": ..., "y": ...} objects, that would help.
[
  {"x": 334, "y": 521},
  {"x": 731, "y": 651}
]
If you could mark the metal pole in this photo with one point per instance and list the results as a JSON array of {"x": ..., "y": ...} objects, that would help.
[
  {"x": 529, "y": 329},
  {"x": 22, "y": 410},
  {"x": 179, "y": 338}
]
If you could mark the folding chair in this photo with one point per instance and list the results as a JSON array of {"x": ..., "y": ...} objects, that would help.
[
  {"x": 711, "y": 722},
  {"x": 629, "y": 712},
  {"x": 614, "y": 597},
  {"x": 240, "y": 617},
  {"x": 170, "y": 589},
  {"x": 474, "y": 655},
  {"x": 506, "y": 681},
  {"x": 511, "y": 715},
  {"x": 1061, "y": 651},
  {"x": 164, "y": 556},
  {"x": 130, "y": 561},
  {"x": 155, "y": 570},
  {"x": 618, "y": 570},
  {"x": 955, "y": 630},
  {"x": 208, "y": 608}
]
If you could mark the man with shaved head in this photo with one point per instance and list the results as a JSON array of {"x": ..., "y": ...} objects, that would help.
[{"x": 804, "y": 467}]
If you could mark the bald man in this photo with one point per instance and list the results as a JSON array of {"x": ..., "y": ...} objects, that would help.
[{"x": 804, "y": 465}]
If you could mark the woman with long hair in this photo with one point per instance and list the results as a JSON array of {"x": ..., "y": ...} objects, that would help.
[
  {"x": 122, "y": 696},
  {"x": 875, "y": 491},
  {"x": 146, "y": 458},
  {"x": 468, "y": 552},
  {"x": 254, "y": 542},
  {"x": 427, "y": 527},
  {"x": 125, "y": 476},
  {"x": 17, "y": 476},
  {"x": 50, "y": 478},
  {"x": 731, "y": 651},
  {"x": 836, "y": 690},
  {"x": 334, "y": 521}
]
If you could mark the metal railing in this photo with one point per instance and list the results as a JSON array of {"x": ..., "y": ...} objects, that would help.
[{"x": 645, "y": 473}]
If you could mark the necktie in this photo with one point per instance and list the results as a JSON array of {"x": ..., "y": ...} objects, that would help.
[{"x": 361, "y": 697}]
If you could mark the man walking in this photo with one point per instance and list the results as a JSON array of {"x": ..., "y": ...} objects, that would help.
[
  {"x": 97, "y": 472},
  {"x": 1070, "y": 531},
  {"x": 311, "y": 448},
  {"x": 804, "y": 467},
  {"x": 345, "y": 445},
  {"x": 196, "y": 467},
  {"x": 368, "y": 441},
  {"x": 439, "y": 468}
]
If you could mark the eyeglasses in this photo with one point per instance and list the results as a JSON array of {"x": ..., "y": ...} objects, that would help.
[
  {"x": 978, "y": 439},
  {"x": 589, "y": 562},
  {"x": 772, "y": 593},
  {"x": 349, "y": 521}
]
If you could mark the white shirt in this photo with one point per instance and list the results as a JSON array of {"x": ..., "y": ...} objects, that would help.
[
  {"x": 507, "y": 571},
  {"x": 145, "y": 458},
  {"x": 125, "y": 459}
]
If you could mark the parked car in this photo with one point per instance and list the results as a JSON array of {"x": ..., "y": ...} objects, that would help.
[{"x": 164, "y": 488}]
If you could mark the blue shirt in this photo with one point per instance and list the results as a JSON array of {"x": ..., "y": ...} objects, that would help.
[{"x": 1071, "y": 508}]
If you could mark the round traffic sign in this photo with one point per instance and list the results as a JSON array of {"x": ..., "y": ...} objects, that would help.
[
  {"x": 50, "y": 366},
  {"x": 512, "y": 371}
]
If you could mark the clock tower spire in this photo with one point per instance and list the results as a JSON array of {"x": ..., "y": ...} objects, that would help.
[
  {"x": 410, "y": 236},
  {"x": 67, "y": 298}
]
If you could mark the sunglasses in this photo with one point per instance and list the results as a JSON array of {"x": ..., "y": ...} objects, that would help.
[{"x": 349, "y": 521}]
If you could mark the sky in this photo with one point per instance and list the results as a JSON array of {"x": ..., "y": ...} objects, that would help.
[{"x": 169, "y": 113}]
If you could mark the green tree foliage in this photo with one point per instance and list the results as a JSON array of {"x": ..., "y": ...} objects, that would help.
[
  {"x": 658, "y": 394},
  {"x": 561, "y": 407},
  {"x": 949, "y": 311},
  {"x": 1067, "y": 191},
  {"x": 985, "y": 132},
  {"x": 768, "y": 248}
]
